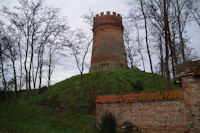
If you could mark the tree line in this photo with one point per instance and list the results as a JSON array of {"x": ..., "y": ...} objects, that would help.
[
  {"x": 32, "y": 38},
  {"x": 159, "y": 26}
]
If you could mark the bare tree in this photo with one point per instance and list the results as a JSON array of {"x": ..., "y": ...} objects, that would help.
[
  {"x": 52, "y": 28},
  {"x": 2, "y": 67},
  {"x": 146, "y": 37},
  {"x": 24, "y": 20},
  {"x": 37, "y": 25},
  {"x": 196, "y": 11},
  {"x": 12, "y": 55},
  {"x": 19, "y": 44},
  {"x": 156, "y": 16},
  {"x": 133, "y": 45},
  {"x": 182, "y": 10},
  {"x": 135, "y": 19},
  {"x": 11, "y": 41},
  {"x": 139, "y": 40},
  {"x": 88, "y": 18},
  {"x": 161, "y": 55},
  {"x": 78, "y": 42},
  {"x": 166, "y": 23},
  {"x": 131, "y": 51},
  {"x": 157, "y": 40},
  {"x": 55, "y": 47},
  {"x": 165, "y": 2}
]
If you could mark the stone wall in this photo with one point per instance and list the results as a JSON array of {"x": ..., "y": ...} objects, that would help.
[{"x": 175, "y": 111}]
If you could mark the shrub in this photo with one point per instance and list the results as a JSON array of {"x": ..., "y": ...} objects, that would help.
[
  {"x": 42, "y": 90},
  {"x": 108, "y": 123},
  {"x": 138, "y": 85}
]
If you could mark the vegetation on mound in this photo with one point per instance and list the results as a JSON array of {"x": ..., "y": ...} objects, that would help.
[{"x": 69, "y": 106}]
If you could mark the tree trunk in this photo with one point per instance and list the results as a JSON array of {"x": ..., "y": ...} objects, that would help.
[
  {"x": 49, "y": 71},
  {"x": 20, "y": 58},
  {"x": 161, "y": 56},
  {"x": 171, "y": 49},
  {"x": 142, "y": 60},
  {"x": 40, "y": 67},
  {"x": 26, "y": 71},
  {"x": 146, "y": 38},
  {"x": 182, "y": 42},
  {"x": 139, "y": 44},
  {"x": 166, "y": 46},
  {"x": 3, "y": 76},
  {"x": 129, "y": 55},
  {"x": 37, "y": 69},
  {"x": 30, "y": 67},
  {"x": 15, "y": 79},
  {"x": 180, "y": 33}
]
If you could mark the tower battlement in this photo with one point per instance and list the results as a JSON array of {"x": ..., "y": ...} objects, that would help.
[
  {"x": 108, "y": 14},
  {"x": 101, "y": 20}
]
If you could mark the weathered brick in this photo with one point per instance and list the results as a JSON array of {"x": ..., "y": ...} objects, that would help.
[
  {"x": 108, "y": 50},
  {"x": 176, "y": 111}
]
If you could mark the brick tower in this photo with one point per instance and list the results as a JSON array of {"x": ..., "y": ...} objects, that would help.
[{"x": 108, "y": 50}]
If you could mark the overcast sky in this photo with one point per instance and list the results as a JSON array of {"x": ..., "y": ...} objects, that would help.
[{"x": 74, "y": 9}]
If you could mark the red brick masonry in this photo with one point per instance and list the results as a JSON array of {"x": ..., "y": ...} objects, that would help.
[
  {"x": 108, "y": 51},
  {"x": 175, "y": 94},
  {"x": 176, "y": 111},
  {"x": 150, "y": 112}
]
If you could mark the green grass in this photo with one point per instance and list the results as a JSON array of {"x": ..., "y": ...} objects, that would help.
[{"x": 68, "y": 106}]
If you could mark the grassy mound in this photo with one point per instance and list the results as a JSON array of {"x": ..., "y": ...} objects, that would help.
[{"x": 68, "y": 106}]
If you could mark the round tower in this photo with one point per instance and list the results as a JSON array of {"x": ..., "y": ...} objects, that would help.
[{"x": 108, "y": 50}]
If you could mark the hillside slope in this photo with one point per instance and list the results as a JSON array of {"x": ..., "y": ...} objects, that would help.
[{"x": 68, "y": 106}]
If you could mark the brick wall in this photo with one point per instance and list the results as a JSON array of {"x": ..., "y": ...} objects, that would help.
[
  {"x": 175, "y": 111},
  {"x": 191, "y": 87},
  {"x": 147, "y": 115}
]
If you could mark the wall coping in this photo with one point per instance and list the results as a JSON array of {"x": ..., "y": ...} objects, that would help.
[
  {"x": 151, "y": 96},
  {"x": 190, "y": 68}
]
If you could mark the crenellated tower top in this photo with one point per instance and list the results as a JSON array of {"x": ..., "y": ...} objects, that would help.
[
  {"x": 108, "y": 14},
  {"x": 105, "y": 20}
]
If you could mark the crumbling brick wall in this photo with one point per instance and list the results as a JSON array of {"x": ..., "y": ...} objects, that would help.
[
  {"x": 146, "y": 111},
  {"x": 176, "y": 111},
  {"x": 191, "y": 87}
]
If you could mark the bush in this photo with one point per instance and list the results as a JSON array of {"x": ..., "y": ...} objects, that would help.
[
  {"x": 138, "y": 86},
  {"x": 42, "y": 90},
  {"x": 108, "y": 123}
]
